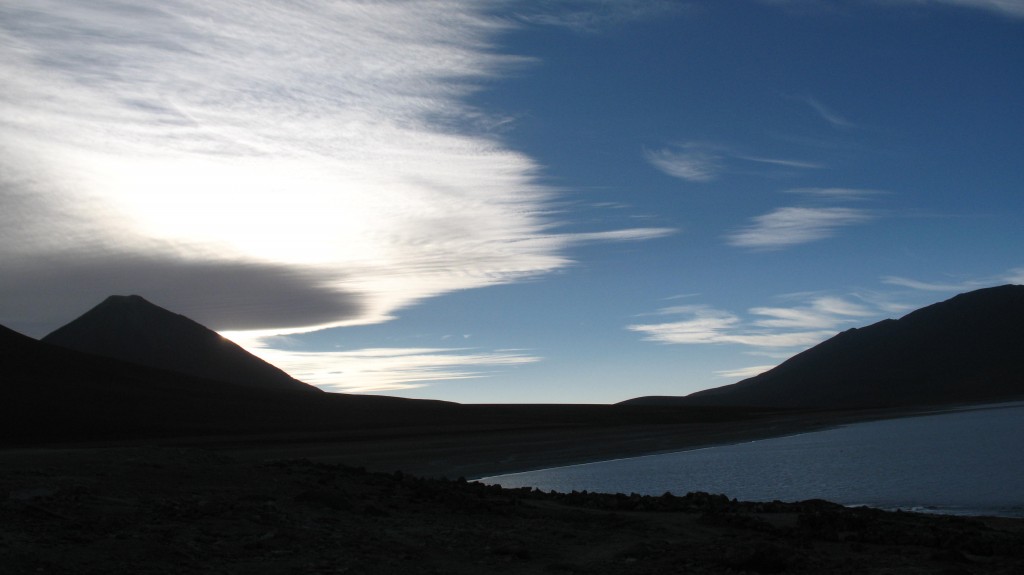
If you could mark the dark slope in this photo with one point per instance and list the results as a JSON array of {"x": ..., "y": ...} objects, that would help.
[
  {"x": 967, "y": 349},
  {"x": 51, "y": 393},
  {"x": 54, "y": 394},
  {"x": 132, "y": 329}
]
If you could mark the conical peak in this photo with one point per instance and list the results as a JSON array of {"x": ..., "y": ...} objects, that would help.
[
  {"x": 126, "y": 299},
  {"x": 130, "y": 328}
]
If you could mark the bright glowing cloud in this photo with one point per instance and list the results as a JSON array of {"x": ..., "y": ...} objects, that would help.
[
  {"x": 325, "y": 140},
  {"x": 790, "y": 226},
  {"x": 268, "y": 167}
]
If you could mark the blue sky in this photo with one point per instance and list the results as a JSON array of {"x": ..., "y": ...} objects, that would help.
[{"x": 569, "y": 201}]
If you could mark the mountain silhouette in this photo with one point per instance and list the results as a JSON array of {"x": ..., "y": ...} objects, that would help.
[
  {"x": 53, "y": 393},
  {"x": 967, "y": 349},
  {"x": 50, "y": 393},
  {"x": 131, "y": 329}
]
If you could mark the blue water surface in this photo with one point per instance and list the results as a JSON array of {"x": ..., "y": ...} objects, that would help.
[{"x": 963, "y": 462}]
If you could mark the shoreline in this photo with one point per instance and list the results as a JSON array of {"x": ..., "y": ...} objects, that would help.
[
  {"x": 475, "y": 450},
  {"x": 299, "y": 503},
  {"x": 479, "y": 452},
  {"x": 853, "y": 420},
  {"x": 629, "y": 474},
  {"x": 175, "y": 510}
]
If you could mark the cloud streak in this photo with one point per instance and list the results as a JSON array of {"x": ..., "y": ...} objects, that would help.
[
  {"x": 702, "y": 163},
  {"x": 1013, "y": 276},
  {"x": 765, "y": 327},
  {"x": 827, "y": 114},
  {"x": 706, "y": 325},
  {"x": 780, "y": 331},
  {"x": 744, "y": 372},
  {"x": 839, "y": 194},
  {"x": 389, "y": 369},
  {"x": 789, "y": 226},
  {"x": 593, "y": 16},
  {"x": 1011, "y": 8},
  {"x": 691, "y": 162}
]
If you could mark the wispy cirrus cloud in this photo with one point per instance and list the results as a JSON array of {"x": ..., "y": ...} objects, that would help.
[
  {"x": 928, "y": 286},
  {"x": 781, "y": 331},
  {"x": 827, "y": 114},
  {"x": 783, "y": 162},
  {"x": 839, "y": 194},
  {"x": 706, "y": 325},
  {"x": 389, "y": 369},
  {"x": 702, "y": 162},
  {"x": 762, "y": 327},
  {"x": 1012, "y": 8},
  {"x": 823, "y": 312},
  {"x": 693, "y": 162},
  {"x": 1013, "y": 276},
  {"x": 593, "y": 16},
  {"x": 790, "y": 226},
  {"x": 744, "y": 372}
]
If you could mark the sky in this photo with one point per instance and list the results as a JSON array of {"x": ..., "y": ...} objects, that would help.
[{"x": 573, "y": 201}]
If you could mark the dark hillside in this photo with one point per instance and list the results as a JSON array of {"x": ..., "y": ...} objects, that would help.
[
  {"x": 53, "y": 393},
  {"x": 132, "y": 329},
  {"x": 967, "y": 349}
]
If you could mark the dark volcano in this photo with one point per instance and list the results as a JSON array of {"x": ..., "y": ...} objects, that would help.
[
  {"x": 131, "y": 329},
  {"x": 52, "y": 393},
  {"x": 967, "y": 349}
]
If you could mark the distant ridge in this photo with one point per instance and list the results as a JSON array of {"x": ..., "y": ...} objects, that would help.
[
  {"x": 52, "y": 393},
  {"x": 967, "y": 349},
  {"x": 12, "y": 341},
  {"x": 131, "y": 329},
  {"x": 55, "y": 395}
]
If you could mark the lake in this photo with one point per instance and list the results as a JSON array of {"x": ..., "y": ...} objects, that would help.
[{"x": 968, "y": 462}]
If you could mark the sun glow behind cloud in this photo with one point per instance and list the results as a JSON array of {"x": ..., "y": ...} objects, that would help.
[{"x": 327, "y": 140}]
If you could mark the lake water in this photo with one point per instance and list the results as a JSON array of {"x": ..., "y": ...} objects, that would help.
[{"x": 964, "y": 462}]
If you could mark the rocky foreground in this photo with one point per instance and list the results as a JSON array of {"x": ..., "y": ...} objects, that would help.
[{"x": 162, "y": 511}]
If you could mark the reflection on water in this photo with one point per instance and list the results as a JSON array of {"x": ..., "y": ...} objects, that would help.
[{"x": 968, "y": 462}]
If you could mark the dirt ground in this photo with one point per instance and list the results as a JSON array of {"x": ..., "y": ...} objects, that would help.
[{"x": 164, "y": 510}]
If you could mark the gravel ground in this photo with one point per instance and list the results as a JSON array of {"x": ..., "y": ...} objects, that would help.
[{"x": 180, "y": 511}]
